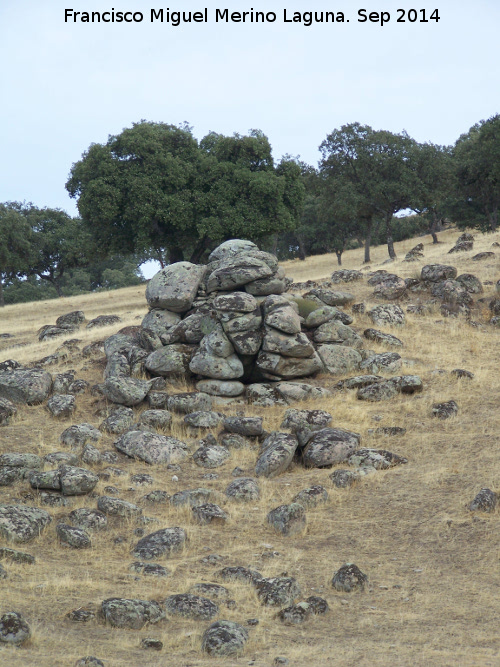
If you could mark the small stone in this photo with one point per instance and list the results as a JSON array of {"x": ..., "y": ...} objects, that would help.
[
  {"x": 348, "y": 578},
  {"x": 289, "y": 520},
  {"x": 295, "y": 614},
  {"x": 89, "y": 661},
  {"x": 445, "y": 410},
  {"x": 151, "y": 644},
  {"x": 191, "y": 606},
  {"x": 209, "y": 513},
  {"x": 224, "y": 638},
  {"x": 485, "y": 501},
  {"x": 73, "y": 537},
  {"x": 81, "y": 615},
  {"x": 13, "y": 628}
]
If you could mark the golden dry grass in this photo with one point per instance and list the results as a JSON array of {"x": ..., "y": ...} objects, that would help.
[{"x": 433, "y": 567}]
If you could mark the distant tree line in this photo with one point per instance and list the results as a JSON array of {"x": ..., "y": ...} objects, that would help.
[{"x": 156, "y": 192}]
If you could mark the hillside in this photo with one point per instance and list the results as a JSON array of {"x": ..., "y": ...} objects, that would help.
[{"x": 432, "y": 565}]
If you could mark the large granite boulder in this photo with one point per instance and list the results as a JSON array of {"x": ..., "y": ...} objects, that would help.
[{"x": 174, "y": 287}]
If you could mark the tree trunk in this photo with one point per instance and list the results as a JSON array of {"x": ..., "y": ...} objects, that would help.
[
  {"x": 390, "y": 241},
  {"x": 159, "y": 257},
  {"x": 433, "y": 227},
  {"x": 302, "y": 250},
  {"x": 199, "y": 250},
  {"x": 494, "y": 219},
  {"x": 368, "y": 240},
  {"x": 274, "y": 245},
  {"x": 2, "y": 299},
  {"x": 175, "y": 254},
  {"x": 339, "y": 256}
]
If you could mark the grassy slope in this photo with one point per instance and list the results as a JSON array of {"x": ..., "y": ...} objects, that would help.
[{"x": 432, "y": 565}]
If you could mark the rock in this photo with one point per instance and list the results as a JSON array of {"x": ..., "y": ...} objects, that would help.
[
  {"x": 237, "y": 271},
  {"x": 9, "y": 476},
  {"x": 494, "y": 306},
  {"x": 469, "y": 282},
  {"x": 77, "y": 481},
  {"x": 103, "y": 321},
  {"x": 461, "y": 374},
  {"x": 299, "y": 391},
  {"x": 331, "y": 298},
  {"x": 247, "y": 426},
  {"x": 305, "y": 422},
  {"x": 382, "y": 338},
  {"x": 118, "y": 421},
  {"x": 288, "y": 520},
  {"x": 326, "y": 314},
  {"x": 14, "y": 629},
  {"x": 203, "y": 419},
  {"x": 74, "y": 318},
  {"x": 157, "y": 400},
  {"x": 336, "y": 332},
  {"x": 380, "y": 459},
  {"x": 78, "y": 435},
  {"x": 240, "y": 574},
  {"x": 211, "y": 591},
  {"x": 156, "y": 419},
  {"x": 7, "y": 410},
  {"x": 65, "y": 383},
  {"x": 483, "y": 255},
  {"x": 264, "y": 394},
  {"x": 452, "y": 292},
  {"x": 445, "y": 410},
  {"x": 205, "y": 363},
  {"x": 485, "y": 501},
  {"x": 189, "y": 402},
  {"x": 9, "y": 364},
  {"x": 267, "y": 286},
  {"x": 174, "y": 288},
  {"x": 277, "y": 591},
  {"x": 61, "y": 405},
  {"x": 233, "y": 441},
  {"x": 390, "y": 430},
  {"x": 224, "y": 638},
  {"x": 342, "y": 479},
  {"x": 23, "y": 385},
  {"x": 393, "y": 287},
  {"x": 288, "y": 345},
  {"x": 163, "y": 542},
  {"x": 191, "y": 606},
  {"x": 386, "y": 362},
  {"x": 117, "y": 507},
  {"x": 278, "y": 450},
  {"x": 20, "y": 523},
  {"x": 73, "y": 537},
  {"x": 387, "y": 314},
  {"x": 346, "y": 276},
  {"x": 311, "y": 496},
  {"x": 235, "y": 301},
  {"x": 133, "y": 614},
  {"x": 48, "y": 479},
  {"x": 150, "y": 569},
  {"x": 209, "y": 513},
  {"x": 160, "y": 321},
  {"x": 21, "y": 460},
  {"x": 295, "y": 614},
  {"x": 234, "y": 323},
  {"x": 126, "y": 390},
  {"x": 227, "y": 388},
  {"x": 152, "y": 448},
  {"x": 284, "y": 319},
  {"x": 243, "y": 489},
  {"x": 433, "y": 273},
  {"x": 17, "y": 556},
  {"x": 275, "y": 366},
  {"x": 81, "y": 615},
  {"x": 329, "y": 446},
  {"x": 170, "y": 361},
  {"x": 349, "y": 578},
  {"x": 380, "y": 391},
  {"x": 339, "y": 360},
  {"x": 89, "y": 661},
  {"x": 211, "y": 456},
  {"x": 88, "y": 519},
  {"x": 191, "y": 497}
]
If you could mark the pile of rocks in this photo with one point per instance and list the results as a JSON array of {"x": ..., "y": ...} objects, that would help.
[{"x": 464, "y": 242}]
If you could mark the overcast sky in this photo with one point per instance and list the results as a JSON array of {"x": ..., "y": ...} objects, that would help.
[{"x": 66, "y": 85}]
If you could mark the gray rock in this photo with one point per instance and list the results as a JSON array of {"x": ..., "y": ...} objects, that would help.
[
  {"x": 103, "y": 321},
  {"x": 288, "y": 345},
  {"x": 61, "y": 405},
  {"x": 386, "y": 362},
  {"x": 445, "y": 410},
  {"x": 311, "y": 497},
  {"x": 171, "y": 360},
  {"x": 224, "y": 638},
  {"x": 88, "y": 519},
  {"x": 432, "y": 273},
  {"x": 133, "y": 614},
  {"x": 237, "y": 271},
  {"x": 74, "y": 318},
  {"x": 157, "y": 400},
  {"x": 380, "y": 459},
  {"x": 189, "y": 402},
  {"x": 162, "y": 543},
  {"x": 264, "y": 394},
  {"x": 236, "y": 301},
  {"x": 230, "y": 249},
  {"x": 156, "y": 419},
  {"x": 485, "y": 501},
  {"x": 346, "y": 276},
  {"x": 275, "y": 366},
  {"x": 325, "y": 314},
  {"x": 211, "y": 591},
  {"x": 336, "y": 332},
  {"x": 348, "y": 578},
  {"x": 266, "y": 286},
  {"x": 9, "y": 476},
  {"x": 393, "y": 287},
  {"x": 277, "y": 453},
  {"x": 75, "y": 538},
  {"x": 118, "y": 421},
  {"x": 227, "y": 388},
  {"x": 330, "y": 297},
  {"x": 278, "y": 591},
  {"x": 17, "y": 556},
  {"x": 14, "y": 629},
  {"x": 243, "y": 489},
  {"x": 247, "y": 426},
  {"x": 305, "y": 422},
  {"x": 339, "y": 360},
  {"x": 382, "y": 338},
  {"x": 387, "y": 314},
  {"x": 235, "y": 323},
  {"x": 288, "y": 520},
  {"x": 211, "y": 456},
  {"x": 126, "y": 390},
  {"x": 380, "y": 391},
  {"x": 295, "y": 614},
  {"x": 469, "y": 282},
  {"x": 23, "y": 385},
  {"x": 191, "y": 497},
  {"x": 209, "y": 513},
  {"x": 21, "y": 460},
  {"x": 160, "y": 321},
  {"x": 174, "y": 288},
  {"x": 284, "y": 319},
  {"x": 77, "y": 481},
  {"x": 233, "y": 441},
  {"x": 358, "y": 381},
  {"x": 150, "y": 569},
  {"x": 61, "y": 458},
  {"x": 20, "y": 523},
  {"x": 298, "y": 391},
  {"x": 483, "y": 255},
  {"x": 210, "y": 365},
  {"x": 203, "y": 419},
  {"x": 78, "y": 435},
  {"x": 7, "y": 410},
  {"x": 48, "y": 479},
  {"x": 243, "y": 575},
  {"x": 329, "y": 446},
  {"x": 117, "y": 507},
  {"x": 89, "y": 661}
]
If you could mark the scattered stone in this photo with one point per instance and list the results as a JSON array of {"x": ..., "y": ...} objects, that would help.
[
  {"x": 329, "y": 446},
  {"x": 151, "y": 644},
  {"x": 73, "y": 537},
  {"x": 163, "y": 542},
  {"x": 348, "y": 578},
  {"x": 382, "y": 338},
  {"x": 445, "y": 410},
  {"x": 211, "y": 456},
  {"x": 16, "y": 556},
  {"x": 203, "y": 419},
  {"x": 483, "y": 255},
  {"x": 20, "y": 523},
  {"x": 387, "y": 314},
  {"x": 133, "y": 614},
  {"x": 380, "y": 391},
  {"x": 288, "y": 520},
  {"x": 88, "y": 519},
  {"x": 14, "y": 629},
  {"x": 278, "y": 450},
  {"x": 277, "y": 591},
  {"x": 191, "y": 497},
  {"x": 390, "y": 430},
  {"x": 461, "y": 374},
  {"x": 81, "y": 615},
  {"x": 125, "y": 390},
  {"x": 433, "y": 273},
  {"x": 240, "y": 574},
  {"x": 22, "y": 385},
  {"x": 295, "y": 614},
  {"x": 311, "y": 497},
  {"x": 380, "y": 459},
  {"x": 156, "y": 419},
  {"x": 386, "y": 362},
  {"x": 118, "y": 507},
  {"x": 318, "y": 606},
  {"x": 247, "y": 426},
  {"x": 77, "y": 481},
  {"x": 7, "y": 410},
  {"x": 244, "y": 489},
  {"x": 346, "y": 276},
  {"x": 211, "y": 591},
  {"x": 191, "y": 606},
  {"x": 224, "y": 638},
  {"x": 485, "y": 501},
  {"x": 150, "y": 569},
  {"x": 209, "y": 513},
  {"x": 89, "y": 661},
  {"x": 118, "y": 421},
  {"x": 152, "y": 448},
  {"x": 78, "y": 435},
  {"x": 339, "y": 360}
]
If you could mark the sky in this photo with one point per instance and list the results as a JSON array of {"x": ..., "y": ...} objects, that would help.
[{"x": 65, "y": 85}]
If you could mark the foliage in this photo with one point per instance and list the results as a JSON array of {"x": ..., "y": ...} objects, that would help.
[{"x": 14, "y": 245}]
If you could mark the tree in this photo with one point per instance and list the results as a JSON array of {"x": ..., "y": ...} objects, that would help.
[
  {"x": 154, "y": 189},
  {"x": 375, "y": 169},
  {"x": 435, "y": 183},
  {"x": 477, "y": 160},
  {"x": 14, "y": 245}
]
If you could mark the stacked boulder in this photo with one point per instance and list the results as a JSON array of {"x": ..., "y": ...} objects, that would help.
[{"x": 464, "y": 242}]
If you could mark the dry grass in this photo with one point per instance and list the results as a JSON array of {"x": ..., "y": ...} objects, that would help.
[{"x": 433, "y": 566}]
